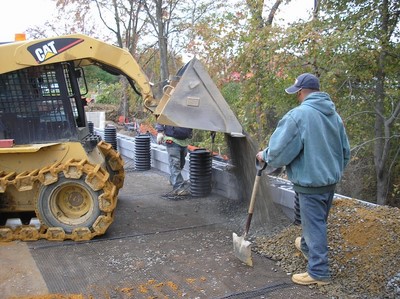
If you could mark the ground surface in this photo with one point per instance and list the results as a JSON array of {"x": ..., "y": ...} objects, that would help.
[
  {"x": 160, "y": 248},
  {"x": 156, "y": 248}
]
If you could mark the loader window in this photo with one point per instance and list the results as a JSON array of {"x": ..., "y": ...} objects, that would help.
[
  {"x": 51, "y": 90},
  {"x": 35, "y": 105}
]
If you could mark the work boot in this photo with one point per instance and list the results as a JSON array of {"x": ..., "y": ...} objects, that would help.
[
  {"x": 297, "y": 243},
  {"x": 306, "y": 279},
  {"x": 181, "y": 192}
]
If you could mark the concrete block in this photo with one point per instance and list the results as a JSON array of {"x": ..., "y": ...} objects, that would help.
[{"x": 97, "y": 118}]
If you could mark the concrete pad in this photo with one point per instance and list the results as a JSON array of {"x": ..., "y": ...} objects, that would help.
[{"x": 19, "y": 274}]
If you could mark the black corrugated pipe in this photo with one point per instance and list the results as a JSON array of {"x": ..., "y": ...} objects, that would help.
[
  {"x": 91, "y": 127},
  {"x": 200, "y": 172},
  {"x": 142, "y": 152},
  {"x": 110, "y": 136}
]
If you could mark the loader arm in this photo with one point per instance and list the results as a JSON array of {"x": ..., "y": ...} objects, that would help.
[
  {"x": 81, "y": 49},
  {"x": 192, "y": 100}
]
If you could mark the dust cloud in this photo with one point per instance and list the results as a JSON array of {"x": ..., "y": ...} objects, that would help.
[{"x": 243, "y": 155}]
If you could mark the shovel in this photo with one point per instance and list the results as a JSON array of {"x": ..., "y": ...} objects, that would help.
[{"x": 241, "y": 247}]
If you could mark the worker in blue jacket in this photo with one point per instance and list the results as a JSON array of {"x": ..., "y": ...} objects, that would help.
[{"x": 311, "y": 141}]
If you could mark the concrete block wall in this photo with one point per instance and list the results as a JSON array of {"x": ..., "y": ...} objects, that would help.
[{"x": 224, "y": 182}]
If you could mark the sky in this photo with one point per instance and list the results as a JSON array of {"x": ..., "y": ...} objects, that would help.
[{"x": 17, "y": 15}]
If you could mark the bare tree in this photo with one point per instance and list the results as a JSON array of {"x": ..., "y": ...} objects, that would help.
[
  {"x": 159, "y": 13},
  {"x": 174, "y": 19},
  {"x": 383, "y": 124},
  {"x": 269, "y": 16}
]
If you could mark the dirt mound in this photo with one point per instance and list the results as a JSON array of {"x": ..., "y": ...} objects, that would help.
[{"x": 364, "y": 250}]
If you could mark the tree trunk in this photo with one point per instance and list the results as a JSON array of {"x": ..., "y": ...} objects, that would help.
[
  {"x": 162, "y": 41},
  {"x": 382, "y": 130},
  {"x": 123, "y": 108}
]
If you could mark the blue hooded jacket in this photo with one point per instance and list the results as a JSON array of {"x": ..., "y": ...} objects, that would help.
[{"x": 311, "y": 141}]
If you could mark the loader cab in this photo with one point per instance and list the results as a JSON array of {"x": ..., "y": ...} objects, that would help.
[{"x": 41, "y": 104}]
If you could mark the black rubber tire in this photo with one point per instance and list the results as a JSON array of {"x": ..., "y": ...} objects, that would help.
[{"x": 49, "y": 196}]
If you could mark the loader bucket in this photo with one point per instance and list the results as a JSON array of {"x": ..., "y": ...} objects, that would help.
[{"x": 195, "y": 102}]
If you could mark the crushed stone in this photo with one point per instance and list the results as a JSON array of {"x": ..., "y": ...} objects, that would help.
[{"x": 364, "y": 250}]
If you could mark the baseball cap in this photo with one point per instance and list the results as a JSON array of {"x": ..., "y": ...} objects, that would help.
[{"x": 304, "y": 81}]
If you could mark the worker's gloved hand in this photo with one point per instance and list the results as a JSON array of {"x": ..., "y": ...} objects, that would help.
[
  {"x": 259, "y": 156},
  {"x": 160, "y": 138}
]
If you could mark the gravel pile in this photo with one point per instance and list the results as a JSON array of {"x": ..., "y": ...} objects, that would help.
[{"x": 364, "y": 250}]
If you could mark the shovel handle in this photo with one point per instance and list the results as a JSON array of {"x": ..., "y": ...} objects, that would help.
[{"x": 260, "y": 166}]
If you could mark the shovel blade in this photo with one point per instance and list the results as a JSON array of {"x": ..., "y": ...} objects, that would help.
[{"x": 242, "y": 249}]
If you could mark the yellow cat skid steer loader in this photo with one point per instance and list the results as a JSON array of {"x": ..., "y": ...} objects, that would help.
[{"x": 51, "y": 167}]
